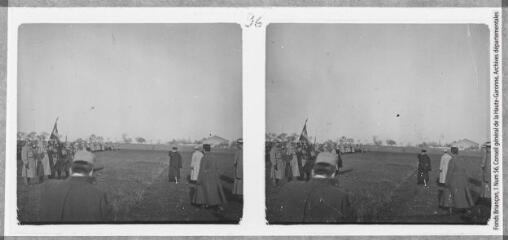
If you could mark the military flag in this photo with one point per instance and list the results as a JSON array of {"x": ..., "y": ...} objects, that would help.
[
  {"x": 304, "y": 138},
  {"x": 54, "y": 132}
]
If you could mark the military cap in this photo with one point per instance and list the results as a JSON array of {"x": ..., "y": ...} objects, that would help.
[
  {"x": 327, "y": 157},
  {"x": 84, "y": 156}
]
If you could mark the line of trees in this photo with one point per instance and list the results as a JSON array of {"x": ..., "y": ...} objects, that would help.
[{"x": 350, "y": 141}]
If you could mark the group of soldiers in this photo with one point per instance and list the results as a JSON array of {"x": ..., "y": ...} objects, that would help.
[
  {"x": 51, "y": 159},
  {"x": 316, "y": 198},
  {"x": 42, "y": 160},
  {"x": 76, "y": 200},
  {"x": 319, "y": 200},
  {"x": 295, "y": 160}
]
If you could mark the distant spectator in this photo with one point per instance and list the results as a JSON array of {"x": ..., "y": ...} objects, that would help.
[
  {"x": 175, "y": 164},
  {"x": 423, "y": 168}
]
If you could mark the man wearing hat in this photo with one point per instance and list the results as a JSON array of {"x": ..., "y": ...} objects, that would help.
[
  {"x": 75, "y": 199},
  {"x": 238, "y": 164},
  {"x": 317, "y": 201},
  {"x": 423, "y": 168},
  {"x": 328, "y": 155},
  {"x": 175, "y": 164}
]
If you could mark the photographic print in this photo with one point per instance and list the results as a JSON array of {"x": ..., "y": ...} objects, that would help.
[
  {"x": 377, "y": 123},
  {"x": 129, "y": 123}
]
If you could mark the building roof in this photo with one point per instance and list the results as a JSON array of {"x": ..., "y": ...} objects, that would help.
[
  {"x": 214, "y": 140},
  {"x": 465, "y": 141}
]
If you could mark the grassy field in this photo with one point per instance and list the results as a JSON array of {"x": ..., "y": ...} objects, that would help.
[
  {"x": 137, "y": 187},
  {"x": 382, "y": 186}
]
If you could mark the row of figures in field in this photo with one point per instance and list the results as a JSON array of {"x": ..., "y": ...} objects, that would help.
[
  {"x": 205, "y": 184},
  {"x": 49, "y": 159},
  {"x": 294, "y": 161},
  {"x": 456, "y": 180}
]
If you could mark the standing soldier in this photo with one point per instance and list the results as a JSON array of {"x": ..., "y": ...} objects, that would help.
[
  {"x": 293, "y": 162},
  {"x": 299, "y": 158},
  {"x": 486, "y": 173},
  {"x": 309, "y": 157},
  {"x": 49, "y": 152},
  {"x": 27, "y": 156},
  {"x": 339, "y": 158},
  {"x": 44, "y": 159},
  {"x": 175, "y": 163},
  {"x": 278, "y": 164},
  {"x": 238, "y": 164}
]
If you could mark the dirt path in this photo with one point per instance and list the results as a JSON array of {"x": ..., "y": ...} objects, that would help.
[{"x": 169, "y": 202}]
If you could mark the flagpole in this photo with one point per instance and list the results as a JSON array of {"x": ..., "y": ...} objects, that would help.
[{"x": 305, "y": 124}]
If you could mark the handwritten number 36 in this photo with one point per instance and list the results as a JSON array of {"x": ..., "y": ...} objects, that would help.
[{"x": 254, "y": 22}]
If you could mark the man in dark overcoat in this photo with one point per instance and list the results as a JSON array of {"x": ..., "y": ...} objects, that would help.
[
  {"x": 423, "y": 168},
  {"x": 317, "y": 201},
  {"x": 175, "y": 164},
  {"x": 76, "y": 199}
]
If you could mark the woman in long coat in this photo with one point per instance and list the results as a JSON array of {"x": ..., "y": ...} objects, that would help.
[
  {"x": 457, "y": 183},
  {"x": 209, "y": 192}
]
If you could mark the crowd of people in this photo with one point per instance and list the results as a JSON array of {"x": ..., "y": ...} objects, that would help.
[
  {"x": 50, "y": 159},
  {"x": 318, "y": 199},
  {"x": 295, "y": 161},
  {"x": 76, "y": 199},
  {"x": 315, "y": 196}
]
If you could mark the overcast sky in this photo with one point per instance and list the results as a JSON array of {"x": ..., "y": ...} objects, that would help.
[
  {"x": 158, "y": 81},
  {"x": 353, "y": 79}
]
